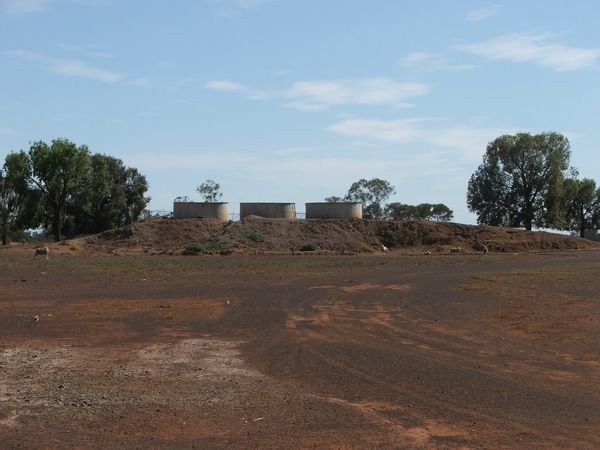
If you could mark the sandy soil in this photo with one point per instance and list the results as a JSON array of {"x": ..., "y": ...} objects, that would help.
[{"x": 372, "y": 351}]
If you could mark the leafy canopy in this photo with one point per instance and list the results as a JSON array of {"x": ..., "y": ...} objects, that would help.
[
  {"x": 581, "y": 205},
  {"x": 372, "y": 194},
  {"x": 72, "y": 191},
  {"x": 519, "y": 182},
  {"x": 422, "y": 211},
  {"x": 210, "y": 191},
  {"x": 58, "y": 172}
]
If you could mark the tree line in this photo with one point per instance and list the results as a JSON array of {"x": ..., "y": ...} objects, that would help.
[
  {"x": 525, "y": 180},
  {"x": 374, "y": 192},
  {"x": 67, "y": 189},
  {"x": 370, "y": 193}
]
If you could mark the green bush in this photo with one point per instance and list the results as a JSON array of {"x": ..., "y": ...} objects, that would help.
[
  {"x": 206, "y": 248},
  {"x": 255, "y": 237},
  {"x": 309, "y": 247},
  {"x": 193, "y": 249}
]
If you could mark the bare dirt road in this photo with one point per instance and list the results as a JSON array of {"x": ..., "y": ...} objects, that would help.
[{"x": 378, "y": 351}]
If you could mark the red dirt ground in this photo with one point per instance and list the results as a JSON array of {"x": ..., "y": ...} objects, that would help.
[{"x": 281, "y": 351}]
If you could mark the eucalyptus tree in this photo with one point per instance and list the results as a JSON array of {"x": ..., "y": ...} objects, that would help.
[
  {"x": 58, "y": 172},
  {"x": 520, "y": 180},
  {"x": 581, "y": 205},
  {"x": 210, "y": 191},
  {"x": 372, "y": 194}
]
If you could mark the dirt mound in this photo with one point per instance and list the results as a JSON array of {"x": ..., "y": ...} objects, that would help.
[{"x": 259, "y": 235}]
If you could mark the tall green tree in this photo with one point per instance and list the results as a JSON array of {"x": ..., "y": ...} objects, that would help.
[
  {"x": 422, "y": 211},
  {"x": 372, "y": 194},
  {"x": 581, "y": 205},
  {"x": 441, "y": 213},
  {"x": 400, "y": 211},
  {"x": 58, "y": 172},
  {"x": 210, "y": 191},
  {"x": 112, "y": 195},
  {"x": 9, "y": 206},
  {"x": 66, "y": 188},
  {"x": 519, "y": 181},
  {"x": 135, "y": 188},
  {"x": 19, "y": 204}
]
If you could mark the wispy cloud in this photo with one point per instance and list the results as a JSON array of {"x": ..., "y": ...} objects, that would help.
[
  {"x": 477, "y": 15},
  {"x": 249, "y": 4},
  {"x": 225, "y": 85},
  {"x": 140, "y": 82},
  {"x": 231, "y": 7},
  {"x": 397, "y": 131},
  {"x": 231, "y": 86},
  {"x": 87, "y": 50},
  {"x": 94, "y": 2},
  {"x": 535, "y": 48},
  {"x": 319, "y": 95},
  {"x": 429, "y": 62},
  {"x": 469, "y": 142},
  {"x": 315, "y": 169},
  {"x": 23, "y": 6},
  {"x": 322, "y": 95},
  {"x": 7, "y": 131},
  {"x": 76, "y": 68}
]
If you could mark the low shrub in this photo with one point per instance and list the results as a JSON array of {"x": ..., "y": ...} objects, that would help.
[
  {"x": 309, "y": 247},
  {"x": 206, "y": 248},
  {"x": 255, "y": 237}
]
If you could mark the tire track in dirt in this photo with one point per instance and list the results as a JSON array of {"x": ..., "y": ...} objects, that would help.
[{"x": 329, "y": 332}]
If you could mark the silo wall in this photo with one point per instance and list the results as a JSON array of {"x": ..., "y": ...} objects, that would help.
[
  {"x": 268, "y": 210},
  {"x": 191, "y": 210},
  {"x": 327, "y": 210}
]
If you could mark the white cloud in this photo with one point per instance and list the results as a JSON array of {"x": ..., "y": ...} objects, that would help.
[
  {"x": 249, "y": 4},
  {"x": 76, "y": 68},
  {"x": 430, "y": 61},
  {"x": 319, "y": 95},
  {"x": 88, "y": 50},
  {"x": 94, "y": 2},
  {"x": 314, "y": 169},
  {"x": 322, "y": 95},
  {"x": 23, "y": 6},
  {"x": 231, "y": 86},
  {"x": 140, "y": 82},
  {"x": 231, "y": 7},
  {"x": 101, "y": 55},
  {"x": 402, "y": 130},
  {"x": 468, "y": 142},
  {"x": 20, "y": 7},
  {"x": 535, "y": 48},
  {"x": 225, "y": 85},
  {"x": 477, "y": 15},
  {"x": 7, "y": 131}
]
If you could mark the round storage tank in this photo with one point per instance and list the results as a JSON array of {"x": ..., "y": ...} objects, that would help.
[
  {"x": 193, "y": 210},
  {"x": 330, "y": 210},
  {"x": 268, "y": 210}
]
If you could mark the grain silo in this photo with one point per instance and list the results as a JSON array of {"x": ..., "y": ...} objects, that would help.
[
  {"x": 203, "y": 210},
  {"x": 268, "y": 210},
  {"x": 331, "y": 210}
]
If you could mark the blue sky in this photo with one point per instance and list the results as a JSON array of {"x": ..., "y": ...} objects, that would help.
[{"x": 293, "y": 100}]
